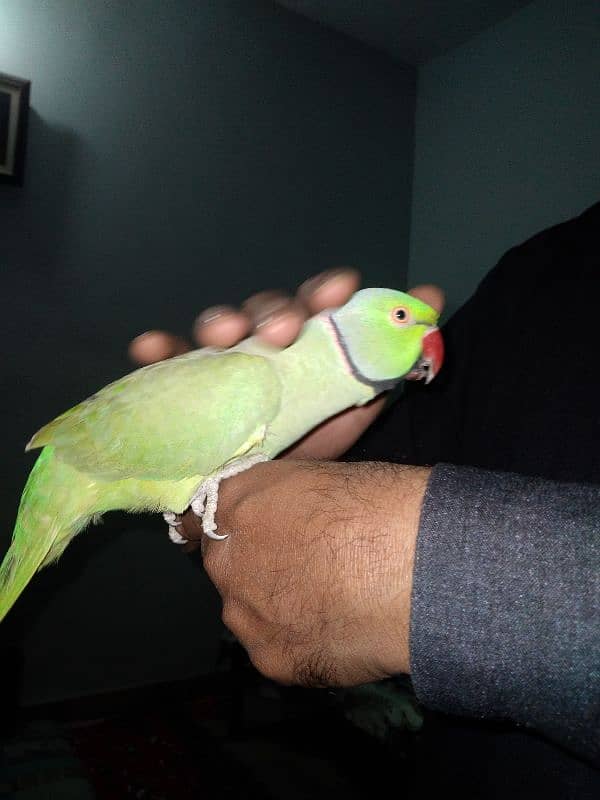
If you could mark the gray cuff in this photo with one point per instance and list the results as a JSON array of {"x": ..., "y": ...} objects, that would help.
[{"x": 506, "y": 602}]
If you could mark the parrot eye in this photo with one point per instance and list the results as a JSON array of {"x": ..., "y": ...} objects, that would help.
[{"x": 401, "y": 315}]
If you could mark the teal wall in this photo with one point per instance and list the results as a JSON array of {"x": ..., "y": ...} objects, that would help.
[
  {"x": 181, "y": 153},
  {"x": 507, "y": 140}
]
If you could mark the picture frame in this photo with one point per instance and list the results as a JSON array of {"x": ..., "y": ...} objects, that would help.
[{"x": 14, "y": 112}]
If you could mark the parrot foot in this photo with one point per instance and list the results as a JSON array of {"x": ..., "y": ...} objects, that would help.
[
  {"x": 204, "y": 503},
  {"x": 173, "y": 521},
  {"x": 198, "y": 500}
]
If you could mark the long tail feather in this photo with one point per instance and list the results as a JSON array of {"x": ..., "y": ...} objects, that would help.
[{"x": 57, "y": 503}]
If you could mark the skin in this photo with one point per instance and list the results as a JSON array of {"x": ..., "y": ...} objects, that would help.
[{"x": 329, "y": 605}]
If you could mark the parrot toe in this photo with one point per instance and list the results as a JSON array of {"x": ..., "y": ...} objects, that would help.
[
  {"x": 175, "y": 536},
  {"x": 204, "y": 502},
  {"x": 173, "y": 521}
]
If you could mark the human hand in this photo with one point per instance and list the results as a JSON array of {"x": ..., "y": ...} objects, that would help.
[
  {"x": 316, "y": 576},
  {"x": 277, "y": 319}
]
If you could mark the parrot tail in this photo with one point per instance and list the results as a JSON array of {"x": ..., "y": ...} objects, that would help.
[{"x": 57, "y": 503}]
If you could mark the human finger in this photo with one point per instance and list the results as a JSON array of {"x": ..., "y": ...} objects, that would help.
[
  {"x": 275, "y": 317},
  {"x": 152, "y": 346},
  {"x": 431, "y": 294},
  {"x": 329, "y": 289},
  {"x": 220, "y": 326}
]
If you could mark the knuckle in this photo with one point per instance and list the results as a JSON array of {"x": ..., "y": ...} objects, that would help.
[
  {"x": 231, "y": 618},
  {"x": 238, "y": 512},
  {"x": 241, "y": 512},
  {"x": 270, "y": 665}
]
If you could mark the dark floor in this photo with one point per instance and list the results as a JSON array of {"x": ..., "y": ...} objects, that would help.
[{"x": 234, "y": 735}]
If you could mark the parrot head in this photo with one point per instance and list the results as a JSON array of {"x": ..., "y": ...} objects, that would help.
[{"x": 387, "y": 335}]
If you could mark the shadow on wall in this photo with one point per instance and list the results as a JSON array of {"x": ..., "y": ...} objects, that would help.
[
  {"x": 42, "y": 204},
  {"x": 48, "y": 358},
  {"x": 34, "y": 320},
  {"x": 33, "y": 223}
]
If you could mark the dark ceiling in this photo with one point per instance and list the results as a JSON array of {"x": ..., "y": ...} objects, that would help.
[{"x": 413, "y": 31}]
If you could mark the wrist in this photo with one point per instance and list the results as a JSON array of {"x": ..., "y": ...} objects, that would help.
[{"x": 400, "y": 492}]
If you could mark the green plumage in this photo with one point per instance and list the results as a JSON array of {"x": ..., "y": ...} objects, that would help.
[
  {"x": 113, "y": 433},
  {"x": 148, "y": 440}
]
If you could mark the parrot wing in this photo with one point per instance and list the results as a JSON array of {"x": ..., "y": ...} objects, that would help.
[{"x": 168, "y": 421}]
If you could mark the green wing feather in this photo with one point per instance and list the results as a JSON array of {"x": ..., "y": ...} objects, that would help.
[
  {"x": 202, "y": 407},
  {"x": 140, "y": 442}
]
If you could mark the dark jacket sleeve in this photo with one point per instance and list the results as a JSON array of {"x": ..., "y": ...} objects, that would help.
[{"x": 506, "y": 603}]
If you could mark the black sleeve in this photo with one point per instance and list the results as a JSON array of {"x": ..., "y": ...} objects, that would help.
[{"x": 506, "y": 603}]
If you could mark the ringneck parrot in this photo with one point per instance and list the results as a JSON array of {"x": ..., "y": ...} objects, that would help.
[{"x": 162, "y": 437}]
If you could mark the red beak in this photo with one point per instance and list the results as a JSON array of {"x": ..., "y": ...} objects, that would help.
[
  {"x": 432, "y": 357},
  {"x": 433, "y": 353}
]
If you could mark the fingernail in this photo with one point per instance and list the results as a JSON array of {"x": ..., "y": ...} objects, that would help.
[
  {"x": 267, "y": 319},
  {"x": 281, "y": 327},
  {"x": 212, "y": 313}
]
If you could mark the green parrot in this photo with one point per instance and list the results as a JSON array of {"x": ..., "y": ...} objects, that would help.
[{"x": 161, "y": 438}]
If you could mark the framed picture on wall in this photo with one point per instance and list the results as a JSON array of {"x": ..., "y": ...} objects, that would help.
[{"x": 14, "y": 110}]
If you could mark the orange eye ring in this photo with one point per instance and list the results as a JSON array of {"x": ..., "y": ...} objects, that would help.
[{"x": 400, "y": 316}]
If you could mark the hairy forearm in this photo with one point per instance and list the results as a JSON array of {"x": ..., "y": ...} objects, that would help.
[{"x": 398, "y": 491}]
